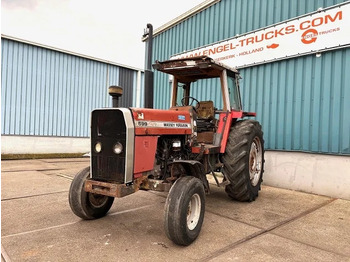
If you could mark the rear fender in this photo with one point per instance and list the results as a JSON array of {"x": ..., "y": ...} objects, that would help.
[
  {"x": 194, "y": 168},
  {"x": 225, "y": 122}
]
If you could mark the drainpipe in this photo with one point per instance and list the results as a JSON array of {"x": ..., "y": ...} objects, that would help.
[{"x": 148, "y": 67}]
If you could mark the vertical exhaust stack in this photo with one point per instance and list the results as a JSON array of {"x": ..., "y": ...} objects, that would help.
[
  {"x": 148, "y": 67},
  {"x": 115, "y": 92}
]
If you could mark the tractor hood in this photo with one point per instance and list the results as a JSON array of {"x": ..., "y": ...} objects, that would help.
[{"x": 161, "y": 122}]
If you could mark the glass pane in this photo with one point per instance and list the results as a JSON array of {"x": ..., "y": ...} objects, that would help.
[
  {"x": 208, "y": 89},
  {"x": 233, "y": 92},
  {"x": 180, "y": 93}
]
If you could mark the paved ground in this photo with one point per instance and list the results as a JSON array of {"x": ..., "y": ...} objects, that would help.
[{"x": 281, "y": 225}]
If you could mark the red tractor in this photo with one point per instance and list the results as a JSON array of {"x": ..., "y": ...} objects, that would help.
[{"x": 174, "y": 150}]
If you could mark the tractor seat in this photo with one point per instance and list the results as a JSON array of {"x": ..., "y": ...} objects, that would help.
[
  {"x": 206, "y": 110},
  {"x": 206, "y": 121}
]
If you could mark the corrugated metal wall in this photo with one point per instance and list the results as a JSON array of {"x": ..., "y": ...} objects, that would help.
[
  {"x": 302, "y": 103},
  {"x": 50, "y": 93}
]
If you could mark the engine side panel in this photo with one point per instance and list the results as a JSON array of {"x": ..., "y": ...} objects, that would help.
[{"x": 145, "y": 151}]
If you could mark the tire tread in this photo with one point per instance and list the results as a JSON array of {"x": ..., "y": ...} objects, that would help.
[{"x": 236, "y": 160}]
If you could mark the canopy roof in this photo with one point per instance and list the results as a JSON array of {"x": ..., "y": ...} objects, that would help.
[{"x": 193, "y": 68}]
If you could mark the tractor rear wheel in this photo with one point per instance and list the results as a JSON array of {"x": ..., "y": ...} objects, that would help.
[
  {"x": 184, "y": 210},
  {"x": 244, "y": 160},
  {"x": 84, "y": 204}
]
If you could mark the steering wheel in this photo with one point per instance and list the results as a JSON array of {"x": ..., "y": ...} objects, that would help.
[{"x": 190, "y": 104}]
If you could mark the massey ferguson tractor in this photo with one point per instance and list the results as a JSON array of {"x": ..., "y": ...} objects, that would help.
[{"x": 174, "y": 150}]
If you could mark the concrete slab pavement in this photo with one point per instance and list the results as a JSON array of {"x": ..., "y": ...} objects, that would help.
[
  {"x": 281, "y": 225},
  {"x": 272, "y": 248},
  {"x": 274, "y": 206},
  {"x": 25, "y": 165},
  {"x": 327, "y": 228},
  {"x": 29, "y": 183}
]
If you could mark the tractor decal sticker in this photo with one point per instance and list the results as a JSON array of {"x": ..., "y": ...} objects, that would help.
[
  {"x": 158, "y": 124},
  {"x": 181, "y": 117}
]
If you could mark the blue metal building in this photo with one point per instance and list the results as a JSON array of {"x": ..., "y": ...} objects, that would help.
[
  {"x": 302, "y": 102},
  {"x": 49, "y": 92}
]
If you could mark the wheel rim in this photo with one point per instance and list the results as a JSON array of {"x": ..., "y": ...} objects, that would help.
[
  {"x": 97, "y": 200},
  {"x": 255, "y": 161},
  {"x": 193, "y": 211}
]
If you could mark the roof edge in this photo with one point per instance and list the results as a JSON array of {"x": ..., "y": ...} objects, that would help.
[
  {"x": 69, "y": 52},
  {"x": 183, "y": 17}
]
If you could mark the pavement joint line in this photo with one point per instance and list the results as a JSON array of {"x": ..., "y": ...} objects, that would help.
[
  {"x": 4, "y": 254},
  {"x": 236, "y": 220},
  {"x": 128, "y": 210},
  {"x": 71, "y": 223},
  {"x": 30, "y": 170},
  {"x": 64, "y": 176},
  {"x": 23, "y": 197},
  {"x": 310, "y": 245},
  {"x": 71, "y": 161},
  {"x": 264, "y": 231}
]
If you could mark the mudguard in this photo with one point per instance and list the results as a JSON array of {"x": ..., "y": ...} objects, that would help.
[{"x": 194, "y": 168}]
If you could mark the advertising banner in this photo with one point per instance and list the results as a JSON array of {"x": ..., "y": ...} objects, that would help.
[{"x": 316, "y": 32}]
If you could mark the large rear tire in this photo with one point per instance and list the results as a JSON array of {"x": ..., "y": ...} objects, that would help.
[
  {"x": 87, "y": 205},
  {"x": 184, "y": 210},
  {"x": 244, "y": 160}
]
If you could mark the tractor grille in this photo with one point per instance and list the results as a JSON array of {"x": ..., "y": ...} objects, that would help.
[
  {"x": 109, "y": 168},
  {"x": 108, "y": 128}
]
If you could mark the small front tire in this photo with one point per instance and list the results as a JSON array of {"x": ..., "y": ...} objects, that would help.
[
  {"x": 184, "y": 210},
  {"x": 87, "y": 205}
]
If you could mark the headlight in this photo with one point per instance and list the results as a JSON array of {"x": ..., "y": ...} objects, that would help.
[
  {"x": 118, "y": 148},
  {"x": 176, "y": 145},
  {"x": 98, "y": 147}
]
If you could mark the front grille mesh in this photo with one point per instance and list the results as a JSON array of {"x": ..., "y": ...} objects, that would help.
[{"x": 109, "y": 168}]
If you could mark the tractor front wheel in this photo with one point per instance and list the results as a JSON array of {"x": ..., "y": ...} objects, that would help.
[
  {"x": 184, "y": 210},
  {"x": 244, "y": 160},
  {"x": 87, "y": 205}
]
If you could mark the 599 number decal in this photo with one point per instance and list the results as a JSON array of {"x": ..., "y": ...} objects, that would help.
[{"x": 161, "y": 124}]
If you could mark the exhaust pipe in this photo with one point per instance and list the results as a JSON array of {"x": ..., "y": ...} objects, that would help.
[
  {"x": 148, "y": 67},
  {"x": 115, "y": 92}
]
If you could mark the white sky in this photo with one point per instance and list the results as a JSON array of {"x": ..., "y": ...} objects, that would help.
[{"x": 106, "y": 29}]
